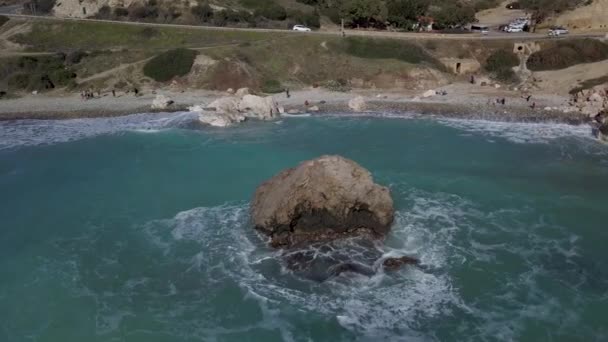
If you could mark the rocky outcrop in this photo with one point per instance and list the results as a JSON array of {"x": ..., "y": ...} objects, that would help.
[
  {"x": 264, "y": 108},
  {"x": 321, "y": 200},
  {"x": 242, "y": 92},
  {"x": 229, "y": 110},
  {"x": 357, "y": 104},
  {"x": 161, "y": 102},
  {"x": 590, "y": 102}
]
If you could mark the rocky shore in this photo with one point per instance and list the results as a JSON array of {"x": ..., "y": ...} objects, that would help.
[{"x": 315, "y": 101}]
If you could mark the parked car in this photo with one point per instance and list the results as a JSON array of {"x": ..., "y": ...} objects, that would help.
[
  {"x": 301, "y": 28},
  {"x": 558, "y": 31},
  {"x": 514, "y": 29}
]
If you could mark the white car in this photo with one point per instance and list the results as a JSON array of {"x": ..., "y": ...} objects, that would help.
[
  {"x": 514, "y": 29},
  {"x": 558, "y": 31},
  {"x": 301, "y": 28}
]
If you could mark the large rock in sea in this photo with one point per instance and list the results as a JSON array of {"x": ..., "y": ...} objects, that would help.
[
  {"x": 229, "y": 110},
  {"x": 321, "y": 200},
  {"x": 264, "y": 108}
]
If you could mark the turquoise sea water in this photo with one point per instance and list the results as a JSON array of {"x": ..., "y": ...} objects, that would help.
[{"x": 136, "y": 229}]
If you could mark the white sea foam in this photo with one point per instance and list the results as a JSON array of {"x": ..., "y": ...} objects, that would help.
[
  {"x": 42, "y": 132},
  {"x": 521, "y": 132}
]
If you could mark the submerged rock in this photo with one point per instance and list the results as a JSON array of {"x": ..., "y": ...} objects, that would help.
[
  {"x": 322, "y": 200},
  {"x": 393, "y": 264}
]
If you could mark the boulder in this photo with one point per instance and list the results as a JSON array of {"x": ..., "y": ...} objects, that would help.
[
  {"x": 161, "y": 102},
  {"x": 324, "y": 199},
  {"x": 230, "y": 91},
  {"x": 293, "y": 111},
  {"x": 264, "y": 108},
  {"x": 225, "y": 105},
  {"x": 220, "y": 119},
  {"x": 313, "y": 109},
  {"x": 429, "y": 93},
  {"x": 242, "y": 92},
  {"x": 357, "y": 104}
]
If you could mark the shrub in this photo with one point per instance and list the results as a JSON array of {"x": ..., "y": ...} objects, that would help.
[
  {"x": 74, "y": 57},
  {"x": 3, "y": 20},
  {"x": 500, "y": 65},
  {"x": 272, "y": 87},
  {"x": 19, "y": 81},
  {"x": 567, "y": 53},
  {"x": 203, "y": 12},
  {"x": 501, "y": 59},
  {"x": 337, "y": 85},
  {"x": 271, "y": 11},
  {"x": 170, "y": 64},
  {"x": 121, "y": 12},
  {"x": 308, "y": 19},
  {"x": 39, "y": 6},
  {"x": 105, "y": 12}
]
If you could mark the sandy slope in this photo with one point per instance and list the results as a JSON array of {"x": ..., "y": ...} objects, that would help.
[
  {"x": 561, "y": 81},
  {"x": 591, "y": 17}
]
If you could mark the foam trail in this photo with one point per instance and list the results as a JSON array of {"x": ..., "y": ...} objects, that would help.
[
  {"x": 42, "y": 132},
  {"x": 521, "y": 132}
]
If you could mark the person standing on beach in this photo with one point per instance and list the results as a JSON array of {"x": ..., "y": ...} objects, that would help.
[
  {"x": 113, "y": 93},
  {"x": 287, "y": 92},
  {"x": 136, "y": 91}
]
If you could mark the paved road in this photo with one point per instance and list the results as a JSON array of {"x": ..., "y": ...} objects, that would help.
[{"x": 383, "y": 34}]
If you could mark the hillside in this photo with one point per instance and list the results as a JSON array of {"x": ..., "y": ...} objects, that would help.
[{"x": 591, "y": 17}]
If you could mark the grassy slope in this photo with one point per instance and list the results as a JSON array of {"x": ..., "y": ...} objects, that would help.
[
  {"x": 46, "y": 36},
  {"x": 298, "y": 59}
]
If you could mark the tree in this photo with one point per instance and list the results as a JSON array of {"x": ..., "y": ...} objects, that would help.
[
  {"x": 454, "y": 15},
  {"x": 363, "y": 13},
  {"x": 202, "y": 12},
  {"x": 404, "y": 13}
]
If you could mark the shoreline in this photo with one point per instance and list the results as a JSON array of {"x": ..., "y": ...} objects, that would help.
[{"x": 459, "y": 105}]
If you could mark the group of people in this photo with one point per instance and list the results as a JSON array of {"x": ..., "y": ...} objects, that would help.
[{"x": 90, "y": 94}]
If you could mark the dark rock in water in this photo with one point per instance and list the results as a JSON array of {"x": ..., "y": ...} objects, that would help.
[
  {"x": 323, "y": 199},
  {"x": 603, "y": 132},
  {"x": 323, "y": 261},
  {"x": 393, "y": 264}
]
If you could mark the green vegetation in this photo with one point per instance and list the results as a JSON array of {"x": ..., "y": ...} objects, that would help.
[
  {"x": 272, "y": 87},
  {"x": 66, "y": 36},
  {"x": 37, "y": 73},
  {"x": 3, "y": 20},
  {"x": 588, "y": 84},
  {"x": 170, "y": 64},
  {"x": 500, "y": 65},
  {"x": 386, "y": 48},
  {"x": 403, "y": 14},
  {"x": 564, "y": 54},
  {"x": 38, "y": 6}
]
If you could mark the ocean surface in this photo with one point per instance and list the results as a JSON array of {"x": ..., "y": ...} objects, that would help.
[{"x": 137, "y": 229}]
